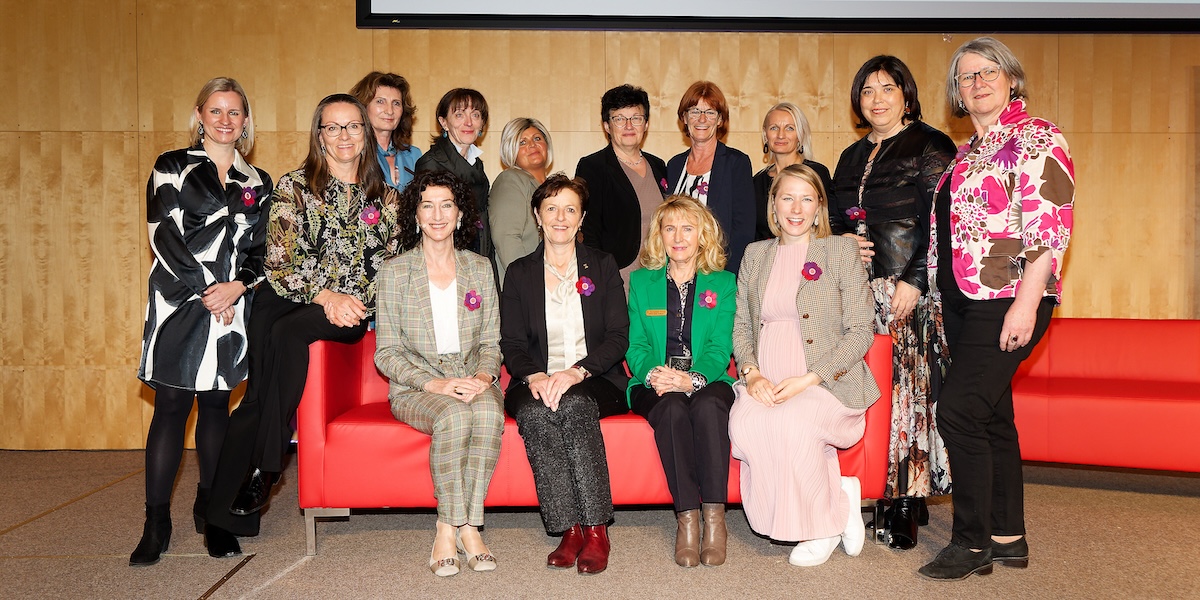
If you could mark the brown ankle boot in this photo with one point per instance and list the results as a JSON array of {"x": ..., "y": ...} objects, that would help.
[
  {"x": 687, "y": 538},
  {"x": 712, "y": 545}
]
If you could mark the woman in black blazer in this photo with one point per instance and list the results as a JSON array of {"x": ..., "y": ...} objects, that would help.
[
  {"x": 625, "y": 184},
  {"x": 713, "y": 173},
  {"x": 462, "y": 116},
  {"x": 564, "y": 330}
]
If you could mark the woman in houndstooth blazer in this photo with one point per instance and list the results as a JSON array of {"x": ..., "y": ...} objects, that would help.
[
  {"x": 438, "y": 343},
  {"x": 805, "y": 289}
]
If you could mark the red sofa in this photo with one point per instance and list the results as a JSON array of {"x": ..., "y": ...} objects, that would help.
[
  {"x": 354, "y": 454},
  {"x": 1112, "y": 392}
]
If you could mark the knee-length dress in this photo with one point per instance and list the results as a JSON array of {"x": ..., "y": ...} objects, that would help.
[
  {"x": 202, "y": 231},
  {"x": 790, "y": 475}
]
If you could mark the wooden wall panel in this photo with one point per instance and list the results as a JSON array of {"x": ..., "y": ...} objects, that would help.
[
  {"x": 75, "y": 64},
  {"x": 103, "y": 88}
]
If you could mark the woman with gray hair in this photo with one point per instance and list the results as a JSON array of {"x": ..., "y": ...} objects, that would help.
[
  {"x": 1002, "y": 220},
  {"x": 526, "y": 152}
]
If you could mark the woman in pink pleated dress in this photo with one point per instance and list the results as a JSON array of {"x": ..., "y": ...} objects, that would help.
[{"x": 806, "y": 290}]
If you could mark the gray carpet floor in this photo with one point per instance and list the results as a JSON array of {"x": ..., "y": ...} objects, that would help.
[{"x": 68, "y": 521}]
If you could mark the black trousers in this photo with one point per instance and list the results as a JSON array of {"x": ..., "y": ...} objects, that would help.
[
  {"x": 566, "y": 450},
  {"x": 692, "y": 435},
  {"x": 260, "y": 429},
  {"x": 975, "y": 416}
]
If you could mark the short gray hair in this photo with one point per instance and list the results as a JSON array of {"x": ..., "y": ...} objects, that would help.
[
  {"x": 510, "y": 141},
  {"x": 994, "y": 50}
]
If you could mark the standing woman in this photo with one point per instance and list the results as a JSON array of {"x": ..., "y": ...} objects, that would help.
[
  {"x": 787, "y": 140},
  {"x": 625, "y": 184},
  {"x": 462, "y": 116},
  {"x": 1002, "y": 222},
  {"x": 884, "y": 194},
  {"x": 681, "y": 307},
  {"x": 203, "y": 207},
  {"x": 564, "y": 331},
  {"x": 391, "y": 111},
  {"x": 806, "y": 289},
  {"x": 333, "y": 223},
  {"x": 439, "y": 321},
  {"x": 711, "y": 172},
  {"x": 526, "y": 152}
]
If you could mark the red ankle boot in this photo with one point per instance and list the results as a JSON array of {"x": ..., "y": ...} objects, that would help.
[
  {"x": 567, "y": 551},
  {"x": 594, "y": 556}
]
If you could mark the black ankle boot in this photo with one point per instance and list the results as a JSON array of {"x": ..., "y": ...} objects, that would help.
[
  {"x": 220, "y": 543},
  {"x": 156, "y": 536},
  {"x": 200, "y": 507},
  {"x": 904, "y": 524},
  {"x": 254, "y": 493},
  {"x": 922, "y": 512}
]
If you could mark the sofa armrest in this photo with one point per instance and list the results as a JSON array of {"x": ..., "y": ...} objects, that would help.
[{"x": 334, "y": 386}]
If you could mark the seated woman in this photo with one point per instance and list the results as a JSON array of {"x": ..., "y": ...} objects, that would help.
[
  {"x": 681, "y": 308},
  {"x": 438, "y": 344},
  {"x": 805, "y": 289},
  {"x": 564, "y": 331},
  {"x": 333, "y": 222}
]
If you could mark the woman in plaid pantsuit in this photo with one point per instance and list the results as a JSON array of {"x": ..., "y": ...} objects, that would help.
[{"x": 438, "y": 343}]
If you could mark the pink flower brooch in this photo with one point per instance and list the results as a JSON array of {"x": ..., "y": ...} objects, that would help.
[
  {"x": 812, "y": 271},
  {"x": 708, "y": 299},
  {"x": 856, "y": 213},
  {"x": 472, "y": 300},
  {"x": 585, "y": 286},
  {"x": 370, "y": 215},
  {"x": 248, "y": 196},
  {"x": 663, "y": 183}
]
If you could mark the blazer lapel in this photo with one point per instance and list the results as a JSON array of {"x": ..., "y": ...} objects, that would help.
[
  {"x": 701, "y": 316},
  {"x": 465, "y": 316},
  {"x": 628, "y": 194},
  {"x": 656, "y": 299},
  {"x": 537, "y": 308},
  {"x": 419, "y": 276},
  {"x": 816, "y": 254}
]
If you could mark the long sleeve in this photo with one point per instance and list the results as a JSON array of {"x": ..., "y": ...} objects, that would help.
[
  {"x": 489, "y": 333},
  {"x": 640, "y": 356},
  {"x": 857, "y": 312},
  {"x": 742, "y": 179},
  {"x": 510, "y": 216},
  {"x": 611, "y": 351},
  {"x": 516, "y": 336},
  {"x": 165, "y": 224},
  {"x": 712, "y": 358},
  {"x": 285, "y": 254},
  {"x": 745, "y": 350}
]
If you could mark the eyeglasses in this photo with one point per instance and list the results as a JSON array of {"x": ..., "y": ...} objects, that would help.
[
  {"x": 694, "y": 114},
  {"x": 354, "y": 128},
  {"x": 619, "y": 121},
  {"x": 987, "y": 74}
]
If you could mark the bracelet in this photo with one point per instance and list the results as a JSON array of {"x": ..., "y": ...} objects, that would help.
[{"x": 585, "y": 372}]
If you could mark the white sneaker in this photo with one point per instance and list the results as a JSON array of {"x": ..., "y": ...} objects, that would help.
[
  {"x": 855, "y": 533},
  {"x": 813, "y": 552}
]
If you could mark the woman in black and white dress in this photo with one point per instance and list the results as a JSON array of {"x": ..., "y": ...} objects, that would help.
[{"x": 203, "y": 207}]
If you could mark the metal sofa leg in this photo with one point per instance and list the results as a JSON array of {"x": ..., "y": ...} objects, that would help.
[
  {"x": 310, "y": 524},
  {"x": 880, "y": 532}
]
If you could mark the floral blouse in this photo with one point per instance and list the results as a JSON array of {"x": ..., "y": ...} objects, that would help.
[
  {"x": 1011, "y": 200},
  {"x": 337, "y": 242}
]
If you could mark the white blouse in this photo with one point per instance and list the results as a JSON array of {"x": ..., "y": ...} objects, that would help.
[{"x": 445, "y": 317}]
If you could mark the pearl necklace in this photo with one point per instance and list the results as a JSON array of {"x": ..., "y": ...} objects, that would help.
[{"x": 631, "y": 164}]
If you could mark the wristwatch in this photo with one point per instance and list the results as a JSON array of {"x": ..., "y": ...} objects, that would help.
[
  {"x": 585, "y": 372},
  {"x": 746, "y": 370}
]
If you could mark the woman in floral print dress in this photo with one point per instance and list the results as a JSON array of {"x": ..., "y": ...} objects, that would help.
[
  {"x": 333, "y": 223},
  {"x": 1002, "y": 221}
]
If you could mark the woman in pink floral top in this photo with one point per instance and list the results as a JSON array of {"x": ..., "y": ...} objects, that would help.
[{"x": 1002, "y": 220}]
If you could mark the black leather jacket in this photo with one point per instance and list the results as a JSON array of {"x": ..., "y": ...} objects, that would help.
[{"x": 897, "y": 197}]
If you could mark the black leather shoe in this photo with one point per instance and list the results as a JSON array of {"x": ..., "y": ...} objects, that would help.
[
  {"x": 957, "y": 562},
  {"x": 156, "y": 536},
  {"x": 1013, "y": 554},
  {"x": 903, "y": 534},
  {"x": 221, "y": 543},
  {"x": 254, "y": 493}
]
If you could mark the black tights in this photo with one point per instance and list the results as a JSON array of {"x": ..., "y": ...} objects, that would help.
[{"x": 164, "y": 444}]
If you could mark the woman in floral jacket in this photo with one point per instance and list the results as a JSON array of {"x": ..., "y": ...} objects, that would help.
[{"x": 1002, "y": 220}]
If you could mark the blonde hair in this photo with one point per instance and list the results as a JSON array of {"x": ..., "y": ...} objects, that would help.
[
  {"x": 710, "y": 256},
  {"x": 223, "y": 84},
  {"x": 803, "y": 173},
  {"x": 510, "y": 141}
]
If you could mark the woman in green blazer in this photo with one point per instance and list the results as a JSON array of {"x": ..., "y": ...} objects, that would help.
[{"x": 681, "y": 310}]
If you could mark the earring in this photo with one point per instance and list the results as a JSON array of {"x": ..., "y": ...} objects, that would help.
[
  {"x": 322, "y": 149},
  {"x": 418, "y": 228},
  {"x": 764, "y": 147},
  {"x": 200, "y": 132},
  {"x": 459, "y": 226},
  {"x": 801, "y": 150},
  {"x": 961, "y": 107},
  {"x": 245, "y": 134}
]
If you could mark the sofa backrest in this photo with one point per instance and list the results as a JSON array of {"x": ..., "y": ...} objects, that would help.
[{"x": 1129, "y": 349}]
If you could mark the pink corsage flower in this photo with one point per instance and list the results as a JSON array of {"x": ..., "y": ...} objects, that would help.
[
  {"x": 708, "y": 299},
  {"x": 248, "y": 196},
  {"x": 370, "y": 215},
  {"x": 585, "y": 286},
  {"x": 472, "y": 300},
  {"x": 663, "y": 183},
  {"x": 702, "y": 188},
  {"x": 856, "y": 213},
  {"x": 812, "y": 271}
]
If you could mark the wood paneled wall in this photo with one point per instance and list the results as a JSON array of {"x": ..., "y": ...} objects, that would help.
[{"x": 98, "y": 90}]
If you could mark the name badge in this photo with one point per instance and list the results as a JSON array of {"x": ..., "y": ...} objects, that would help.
[{"x": 656, "y": 312}]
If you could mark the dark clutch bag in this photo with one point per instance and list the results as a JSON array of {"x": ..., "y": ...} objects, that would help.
[{"x": 680, "y": 363}]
